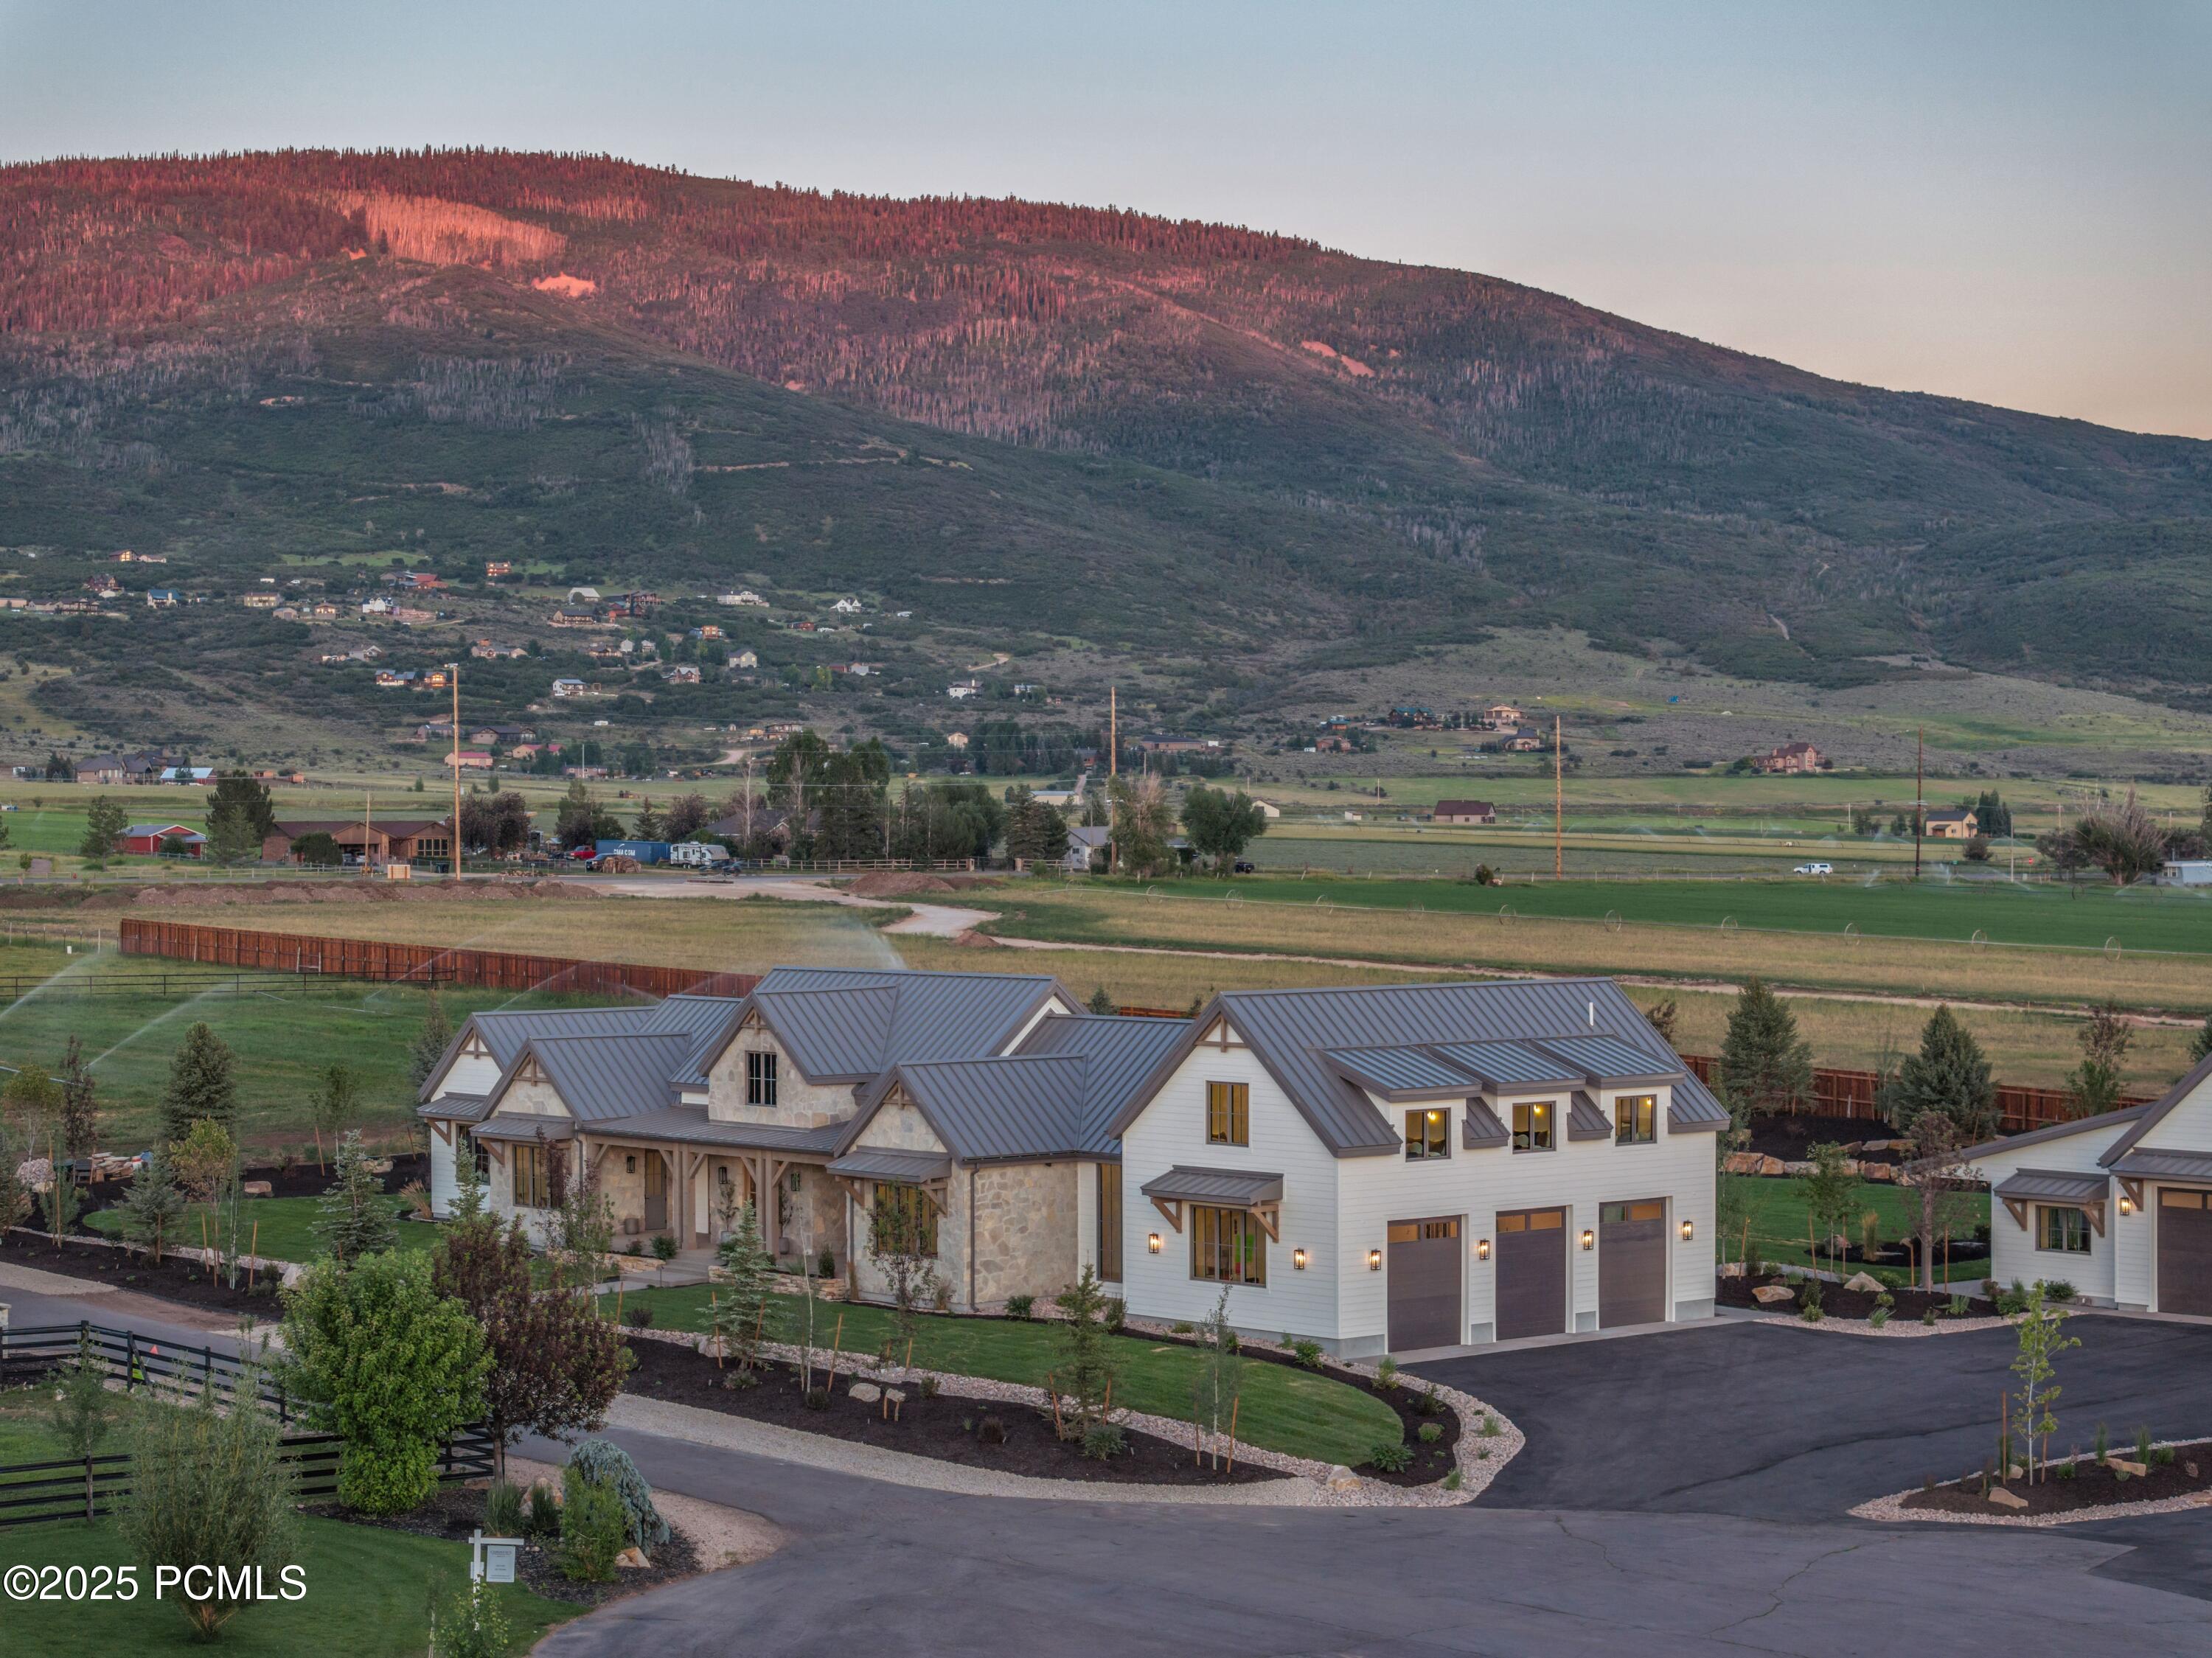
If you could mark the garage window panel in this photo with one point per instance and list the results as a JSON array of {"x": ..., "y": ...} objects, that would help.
[
  {"x": 2062, "y": 1229},
  {"x": 1428, "y": 1134},
  {"x": 1634, "y": 1118},
  {"x": 1535, "y": 1125}
]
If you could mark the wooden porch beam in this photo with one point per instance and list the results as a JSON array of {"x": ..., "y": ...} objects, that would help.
[
  {"x": 2131, "y": 1188},
  {"x": 2017, "y": 1208},
  {"x": 1172, "y": 1209},
  {"x": 2095, "y": 1211},
  {"x": 1270, "y": 1217}
]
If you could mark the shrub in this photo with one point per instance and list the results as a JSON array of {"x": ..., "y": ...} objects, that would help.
[
  {"x": 1454, "y": 1480},
  {"x": 377, "y": 1355},
  {"x": 2104, "y": 1442},
  {"x": 1431, "y": 1432},
  {"x": 608, "y": 1464},
  {"x": 825, "y": 1265},
  {"x": 1809, "y": 1298},
  {"x": 2143, "y": 1446},
  {"x": 1182, "y": 1326},
  {"x": 472, "y": 1625},
  {"x": 1391, "y": 1456},
  {"x": 1308, "y": 1353},
  {"x": 1426, "y": 1403},
  {"x": 926, "y": 1384},
  {"x": 2058, "y": 1289},
  {"x": 543, "y": 1519},
  {"x": 1019, "y": 1306},
  {"x": 1115, "y": 1312},
  {"x": 1489, "y": 1428},
  {"x": 1085, "y": 1367},
  {"x": 663, "y": 1246},
  {"x": 2066, "y": 1470},
  {"x": 634, "y": 1248},
  {"x": 2161, "y": 1456},
  {"x": 1103, "y": 1441},
  {"x": 1928, "y": 1316},
  {"x": 1877, "y": 1318},
  {"x": 211, "y": 1486},
  {"x": 503, "y": 1509},
  {"x": 1386, "y": 1373},
  {"x": 1810, "y": 1312},
  {"x": 817, "y": 1398},
  {"x": 591, "y": 1531},
  {"x": 638, "y": 1315},
  {"x": 1960, "y": 1306},
  {"x": 991, "y": 1430}
]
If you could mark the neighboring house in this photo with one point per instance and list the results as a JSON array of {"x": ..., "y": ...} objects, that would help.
[
  {"x": 583, "y": 595},
  {"x": 187, "y": 774},
  {"x": 566, "y": 617},
  {"x": 1464, "y": 812},
  {"x": 487, "y": 650},
  {"x": 682, "y": 674},
  {"x": 162, "y": 598},
  {"x": 1523, "y": 741},
  {"x": 2118, "y": 1206},
  {"x": 2186, "y": 872},
  {"x": 847, "y": 607},
  {"x": 377, "y": 606},
  {"x": 144, "y": 840},
  {"x": 1794, "y": 759},
  {"x": 745, "y": 658},
  {"x": 1418, "y": 1166},
  {"x": 498, "y": 568},
  {"x": 470, "y": 760},
  {"x": 744, "y": 596},
  {"x": 498, "y": 736},
  {"x": 388, "y": 840},
  {"x": 566, "y": 688},
  {"x": 394, "y": 678},
  {"x": 1952, "y": 825},
  {"x": 101, "y": 769},
  {"x": 961, "y": 693},
  {"x": 1087, "y": 846},
  {"x": 1502, "y": 716},
  {"x": 259, "y": 601},
  {"x": 1268, "y": 810}
]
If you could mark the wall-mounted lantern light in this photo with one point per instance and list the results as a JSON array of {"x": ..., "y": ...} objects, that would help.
[
  {"x": 630, "y": 1165},
  {"x": 2127, "y": 1204},
  {"x": 1482, "y": 1249},
  {"x": 1298, "y": 1259},
  {"x": 1374, "y": 1260},
  {"x": 1151, "y": 1243},
  {"x": 1589, "y": 1239},
  {"x": 1689, "y": 1231}
]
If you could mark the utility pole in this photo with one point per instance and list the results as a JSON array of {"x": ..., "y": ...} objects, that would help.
[
  {"x": 1558, "y": 803},
  {"x": 368, "y": 812},
  {"x": 1112, "y": 771},
  {"x": 453, "y": 833},
  {"x": 1919, "y": 783}
]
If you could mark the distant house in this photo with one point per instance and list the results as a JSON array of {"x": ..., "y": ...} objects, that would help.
[
  {"x": 583, "y": 595},
  {"x": 743, "y": 596},
  {"x": 470, "y": 760},
  {"x": 188, "y": 775},
  {"x": 1502, "y": 716},
  {"x": 101, "y": 769},
  {"x": 259, "y": 601},
  {"x": 103, "y": 584},
  {"x": 957, "y": 740},
  {"x": 1087, "y": 848},
  {"x": 387, "y": 840},
  {"x": 745, "y": 658},
  {"x": 324, "y": 610},
  {"x": 497, "y": 568},
  {"x": 682, "y": 674},
  {"x": 486, "y": 650},
  {"x": 394, "y": 678},
  {"x": 711, "y": 630},
  {"x": 500, "y": 737},
  {"x": 847, "y": 607},
  {"x": 162, "y": 598},
  {"x": 1464, "y": 812},
  {"x": 1793, "y": 759},
  {"x": 144, "y": 840},
  {"x": 568, "y": 688},
  {"x": 1526, "y": 740},
  {"x": 1172, "y": 743},
  {"x": 1951, "y": 824},
  {"x": 566, "y": 617},
  {"x": 962, "y": 692},
  {"x": 1268, "y": 810}
]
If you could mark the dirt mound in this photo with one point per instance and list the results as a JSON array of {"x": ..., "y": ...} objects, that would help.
[
  {"x": 180, "y": 895},
  {"x": 893, "y": 885}
]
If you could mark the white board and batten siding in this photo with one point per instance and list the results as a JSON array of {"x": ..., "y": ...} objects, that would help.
[
  {"x": 2096, "y": 1276},
  {"x": 473, "y": 1072}
]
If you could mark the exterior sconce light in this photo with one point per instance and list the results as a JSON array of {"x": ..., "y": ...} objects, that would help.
[
  {"x": 1689, "y": 1231},
  {"x": 1589, "y": 1238},
  {"x": 1298, "y": 1259},
  {"x": 2127, "y": 1204},
  {"x": 630, "y": 1165},
  {"x": 1374, "y": 1260},
  {"x": 1482, "y": 1249},
  {"x": 1151, "y": 1243}
]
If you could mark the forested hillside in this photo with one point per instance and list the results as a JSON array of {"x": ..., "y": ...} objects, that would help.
[{"x": 1173, "y": 440}]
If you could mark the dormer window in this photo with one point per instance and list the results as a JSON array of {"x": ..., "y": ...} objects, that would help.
[
  {"x": 760, "y": 1076},
  {"x": 1534, "y": 1124},
  {"x": 1634, "y": 1118},
  {"x": 1427, "y": 1135}
]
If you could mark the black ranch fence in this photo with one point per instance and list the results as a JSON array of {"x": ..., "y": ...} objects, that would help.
[
  {"x": 426, "y": 964},
  {"x": 34, "y": 1492}
]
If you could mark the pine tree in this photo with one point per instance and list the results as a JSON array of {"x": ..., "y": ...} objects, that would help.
[
  {"x": 1764, "y": 1064},
  {"x": 1950, "y": 1074},
  {"x": 152, "y": 1208},
  {"x": 468, "y": 1184},
  {"x": 103, "y": 822},
  {"x": 80, "y": 1104},
  {"x": 1084, "y": 1372},
  {"x": 354, "y": 1219},
  {"x": 1102, "y": 1002},
  {"x": 201, "y": 1087},
  {"x": 2200, "y": 1045},
  {"x": 431, "y": 1042},
  {"x": 741, "y": 1304},
  {"x": 239, "y": 819}
]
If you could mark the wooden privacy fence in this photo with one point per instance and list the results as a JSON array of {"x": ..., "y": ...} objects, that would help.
[
  {"x": 1851, "y": 1094},
  {"x": 75, "y": 1487},
  {"x": 425, "y": 964}
]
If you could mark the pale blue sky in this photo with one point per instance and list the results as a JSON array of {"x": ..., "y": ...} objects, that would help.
[{"x": 2011, "y": 202}]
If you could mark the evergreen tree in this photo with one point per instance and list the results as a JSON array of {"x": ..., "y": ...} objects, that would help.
[
  {"x": 741, "y": 1304},
  {"x": 80, "y": 1105},
  {"x": 103, "y": 822},
  {"x": 1764, "y": 1064},
  {"x": 1949, "y": 1074},
  {"x": 431, "y": 1042},
  {"x": 239, "y": 819},
  {"x": 201, "y": 1088},
  {"x": 1035, "y": 832},
  {"x": 468, "y": 1184},
  {"x": 152, "y": 1208},
  {"x": 354, "y": 1220},
  {"x": 1102, "y": 1002},
  {"x": 1084, "y": 1372},
  {"x": 649, "y": 821},
  {"x": 2200, "y": 1045}
]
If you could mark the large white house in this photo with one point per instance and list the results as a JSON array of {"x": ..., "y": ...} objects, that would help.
[
  {"x": 1397, "y": 1167},
  {"x": 2118, "y": 1206}
]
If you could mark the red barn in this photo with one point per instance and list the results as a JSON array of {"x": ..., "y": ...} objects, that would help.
[{"x": 144, "y": 840}]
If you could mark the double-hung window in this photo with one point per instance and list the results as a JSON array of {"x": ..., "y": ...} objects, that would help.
[
  {"x": 760, "y": 1076},
  {"x": 1229, "y": 1114},
  {"x": 1427, "y": 1135},
  {"x": 1634, "y": 1118},
  {"x": 1534, "y": 1123}
]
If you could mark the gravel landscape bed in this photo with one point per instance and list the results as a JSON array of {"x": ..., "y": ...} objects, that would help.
[
  {"x": 2095, "y": 1491},
  {"x": 1852, "y": 1307}
]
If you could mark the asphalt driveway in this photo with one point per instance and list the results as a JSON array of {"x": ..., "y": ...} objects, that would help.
[{"x": 1769, "y": 1421}]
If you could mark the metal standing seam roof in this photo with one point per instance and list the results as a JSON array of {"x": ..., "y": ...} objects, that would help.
[
  {"x": 1232, "y": 1186},
  {"x": 525, "y": 1126},
  {"x": 454, "y": 1108},
  {"x": 849, "y": 1026},
  {"x": 602, "y": 1077},
  {"x": 1479, "y": 1129},
  {"x": 2054, "y": 1186},
  {"x": 690, "y": 1125},
  {"x": 1585, "y": 1120},
  {"x": 1393, "y": 1071},
  {"x": 1606, "y": 1059},
  {"x": 1291, "y": 1031},
  {"x": 882, "y": 1163},
  {"x": 2151, "y": 1162},
  {"x": 1510, "y": 1064}
]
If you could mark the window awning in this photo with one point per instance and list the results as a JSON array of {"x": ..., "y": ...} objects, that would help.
[
  {"x": 1259, "y": 1195},
  {"x": 524, "y": 1128},
  {"x": 2147, "y": 1164},
  {"x": 871, "y": 1162},
  {"x": 2067, "y": 1186},
  {"x": 1585, "y": 1121},
  {"x": 1479, "y": 1129}
]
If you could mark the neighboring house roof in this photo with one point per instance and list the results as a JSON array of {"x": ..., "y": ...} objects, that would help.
[
  {"x": 133, "y": 831},
  {"x": 1294, "y": 1033},
  {"x": 841, "y": 1025},
  {"x": 1093, "y": 836},
  {"x": 2155, "y": 1111},
  {"x": 691, "y": 1124},
  {"x": 2053, "y": 1186},
  {"x": 699, "y": 1018}
]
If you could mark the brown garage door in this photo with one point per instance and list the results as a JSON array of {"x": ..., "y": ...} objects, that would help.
[
  {"x": 2185, "y": 1252},
  {"x": 1425, "y": 1298},
  {"x": 1631, "y": 1263},
  {"x": 1532, "y": 1274}
]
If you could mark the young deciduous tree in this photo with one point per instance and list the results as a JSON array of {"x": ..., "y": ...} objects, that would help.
[
  {"x": 902, "y": 1247},
  {"x": 79, "y": 1105},
  {"x": 431, "y": 1041},
  {"x": 1143, "y": 821},
  {"x": 1220, "y": 1374},
  {"x": 335, "y": 1105},
  {"x": 1764, "y": 1064},
  {"x": 1939, "y": 1182},
  {"x": 2042, "y": 1338},
  {"x": 555, "y": 1363},
  {"x": 374, "y": 1352},
  {"x": 204, "y": 1161},
  {"x": 354, "y": 1219},
  {"x": 201, "y": 1086},
  {"x": 1949, "y": 1074},
  {"x": 1829, "y": 1192},
  {"x": 2125, "y": 840},
  {"x": 81, "y": 1411},
  {"x": 2093, "y": 1086}
]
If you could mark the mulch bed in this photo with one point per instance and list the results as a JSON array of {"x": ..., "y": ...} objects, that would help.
[
  {"x": 304, "y": 1180},
  {"x": 175, "y": 1279},
  {"x": 947, "y": 1428},
  {"x": 453, "y": 1511},
  {"x": 1837, "y": 1301},
  {"x": 1791, "y": 1138},
  {"x": 2094, "y": 1485}
]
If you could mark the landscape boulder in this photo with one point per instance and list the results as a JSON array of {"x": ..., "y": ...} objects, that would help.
[
  {"x": 1878, "y": 1171},
  {"x": 1770, "y": 1295},
  {"x": 2005, "y": 1499},
  {"x": 866, "y": 1392},
  {"x": 256, "y": 1188},
  {"x": 1866, "y": 1283},
  {"x": 632, "y": 1559},
  {"x": 1341, "y": 1478}
]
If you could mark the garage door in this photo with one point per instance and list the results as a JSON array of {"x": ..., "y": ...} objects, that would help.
[
  {"x": 2185, "y": 1252},
  {"x": 1532, "y": 1274},
  {"x": 1631, "y": 1263},
  {"x": 1425, "y": 1285}
]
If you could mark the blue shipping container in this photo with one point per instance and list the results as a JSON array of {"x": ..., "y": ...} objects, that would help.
[{"x": 646, "y": 852}]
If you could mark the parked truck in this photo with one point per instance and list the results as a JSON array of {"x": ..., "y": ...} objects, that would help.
[{"x": 645, "y": 852}]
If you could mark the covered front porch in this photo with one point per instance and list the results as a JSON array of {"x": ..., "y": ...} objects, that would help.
[{"x": 688, "y": 1179}]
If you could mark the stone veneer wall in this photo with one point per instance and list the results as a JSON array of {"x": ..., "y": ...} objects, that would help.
[
  {"x": 900, "y": 1125},
  {"x": 798, "y": 1104},
  {"x": 1026, "y": 1226}
]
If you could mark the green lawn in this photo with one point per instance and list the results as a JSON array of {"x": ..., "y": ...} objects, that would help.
[
  {"x": 286, "y": 1227},
  {"x": 1780, "y": 1221},
  {"x": 1302, "y": 1414},
  {"x": 368, "y": 1593}
]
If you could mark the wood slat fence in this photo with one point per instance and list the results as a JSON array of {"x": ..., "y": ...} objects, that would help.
[
  {"x": 425, "y": 964},
  {"x": 1851, "y": 1094},
  {"x": 77, "y": 1488}
]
